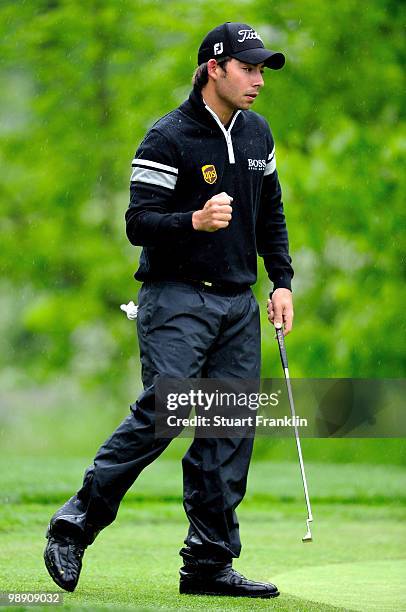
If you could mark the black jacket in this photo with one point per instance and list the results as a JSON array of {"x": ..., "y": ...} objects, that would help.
[{"x": 185, "y": 159}]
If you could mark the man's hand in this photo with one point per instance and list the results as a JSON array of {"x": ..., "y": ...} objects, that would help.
[
  {"x": 280, "y": 309},
  {"x": 215, "y": 214}
]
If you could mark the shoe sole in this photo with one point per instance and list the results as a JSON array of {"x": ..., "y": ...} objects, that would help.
[
  {"x": 265, "y": 596},
  {"x": 54, "y": 576},
  {"x": 52, "y": 571}
]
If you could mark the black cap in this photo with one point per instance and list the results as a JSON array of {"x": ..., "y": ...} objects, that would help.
[{"x": 241, "y": 41}]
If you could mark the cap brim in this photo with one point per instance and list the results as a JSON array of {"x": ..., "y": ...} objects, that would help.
[{"x": 271, "y": 59}]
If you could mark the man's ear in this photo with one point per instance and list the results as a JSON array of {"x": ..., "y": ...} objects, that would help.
[{"x": 212, "y": 69}]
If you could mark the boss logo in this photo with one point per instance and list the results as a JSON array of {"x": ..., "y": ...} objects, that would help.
[
  {"x": 218, "y": 48},
  {"x": 248, "y": 35},
  {"x": 256, "y": 164}
]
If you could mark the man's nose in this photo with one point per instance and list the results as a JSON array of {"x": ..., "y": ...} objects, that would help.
[{"x": 258, "y": 80}]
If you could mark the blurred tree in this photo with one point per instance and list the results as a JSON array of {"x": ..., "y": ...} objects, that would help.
[{"x": 82, "y": 82}]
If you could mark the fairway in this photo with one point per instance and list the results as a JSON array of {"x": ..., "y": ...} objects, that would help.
[{"x": 356, "y": 562}]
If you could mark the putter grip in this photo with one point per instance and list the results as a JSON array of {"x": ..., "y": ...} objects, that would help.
[{"x": 282, "y": 349}]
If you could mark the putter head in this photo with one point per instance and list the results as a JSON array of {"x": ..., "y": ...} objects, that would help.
[{"x": 308, "y": 536}]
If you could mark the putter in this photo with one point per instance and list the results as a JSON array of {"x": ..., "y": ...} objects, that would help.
[{"x": 284, "y": 358}]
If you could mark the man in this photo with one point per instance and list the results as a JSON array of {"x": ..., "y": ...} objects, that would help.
[{"x": 205, "y": 199}]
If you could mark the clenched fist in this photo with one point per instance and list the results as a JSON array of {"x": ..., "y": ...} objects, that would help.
[{"x": 215, "y": 214}]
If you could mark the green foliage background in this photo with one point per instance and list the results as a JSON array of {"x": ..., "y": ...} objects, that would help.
[{"x": 81, "y": 82}]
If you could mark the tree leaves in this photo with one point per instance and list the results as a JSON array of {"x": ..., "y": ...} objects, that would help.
[{"x": 83, "y": 82}]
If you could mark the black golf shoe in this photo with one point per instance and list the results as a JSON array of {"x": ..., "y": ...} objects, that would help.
[
  {"x": 63, "y": 558},
  {"x": 223, "y": 582}
]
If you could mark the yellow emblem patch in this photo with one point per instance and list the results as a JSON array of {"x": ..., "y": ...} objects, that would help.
[{"x": 209, "y": 174}]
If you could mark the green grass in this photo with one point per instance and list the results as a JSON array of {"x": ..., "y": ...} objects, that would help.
[
  {"x": 356, "y": 562},
  {"x": 38, "y": 423}
]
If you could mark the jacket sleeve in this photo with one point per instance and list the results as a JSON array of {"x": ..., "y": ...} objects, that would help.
[
  {"x": 271, "y": 232},
  {"x": 151, "y": 217}
]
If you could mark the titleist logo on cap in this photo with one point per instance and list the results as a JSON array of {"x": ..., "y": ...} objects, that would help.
[{"x": 248, "y": 35}]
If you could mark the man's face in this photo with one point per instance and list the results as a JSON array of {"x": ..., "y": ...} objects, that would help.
[{"x": 239, "y": 83}]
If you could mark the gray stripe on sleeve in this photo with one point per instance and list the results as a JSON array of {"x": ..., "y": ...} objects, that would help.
[
  {"x": 270, "y": 167},
  {"x": 152, "y": 177}
]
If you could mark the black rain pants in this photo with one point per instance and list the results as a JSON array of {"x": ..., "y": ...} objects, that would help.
[{"x": 184, "y": 332}]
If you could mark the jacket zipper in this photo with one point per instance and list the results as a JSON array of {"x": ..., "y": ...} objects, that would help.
[{"x": 227, "y": 133}]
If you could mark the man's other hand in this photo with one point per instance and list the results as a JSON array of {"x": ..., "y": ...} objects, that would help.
[
  {"x": 280, "y": 309},
  {"x": 215, "y": 214}
]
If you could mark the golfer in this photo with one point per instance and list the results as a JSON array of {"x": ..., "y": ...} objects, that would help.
[{"x": 205, "y": 200}]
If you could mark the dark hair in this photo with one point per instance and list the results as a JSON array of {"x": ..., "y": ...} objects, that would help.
[{"x": 201, "y": 76}]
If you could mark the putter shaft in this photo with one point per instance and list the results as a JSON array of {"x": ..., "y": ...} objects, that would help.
[{"x": 281, "y": 343}]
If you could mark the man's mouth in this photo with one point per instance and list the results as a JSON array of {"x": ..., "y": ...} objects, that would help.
[{"x": 252, "y": 96}]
